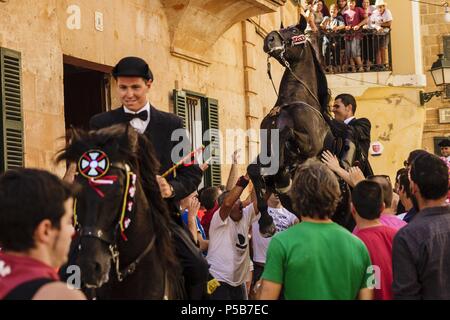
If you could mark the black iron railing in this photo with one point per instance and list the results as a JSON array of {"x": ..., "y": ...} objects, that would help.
[{"x": 365, "y": 50}]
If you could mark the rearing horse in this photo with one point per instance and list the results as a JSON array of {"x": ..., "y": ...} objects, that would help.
[
  {"x": 300, "y": 114},
  {"x": 123, "y": 247}
]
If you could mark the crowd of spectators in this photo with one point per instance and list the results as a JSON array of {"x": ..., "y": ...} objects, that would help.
[{"x": 352, "y": 36}]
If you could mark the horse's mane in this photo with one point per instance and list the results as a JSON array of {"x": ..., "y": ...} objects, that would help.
[
  {"x": 160, "y": 218},
  {"x": 122, "y": 143},
  {"x": 324, "y": 93}
]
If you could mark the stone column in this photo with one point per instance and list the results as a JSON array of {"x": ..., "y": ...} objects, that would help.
[{"x": 252, "y": 103}]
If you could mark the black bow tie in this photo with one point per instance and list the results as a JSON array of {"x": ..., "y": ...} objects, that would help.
[{"x": 143, "y": 115}]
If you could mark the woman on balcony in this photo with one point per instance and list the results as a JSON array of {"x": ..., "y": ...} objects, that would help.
[
  {"x": 368, "y": 53},
  {"x": 315, "y": 18},
  {"x": 354, "y": 20},
  {"x": 342, "y": 6}
]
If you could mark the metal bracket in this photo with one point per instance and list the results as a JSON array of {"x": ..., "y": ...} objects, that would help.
[{"x": 426, "y": 96}]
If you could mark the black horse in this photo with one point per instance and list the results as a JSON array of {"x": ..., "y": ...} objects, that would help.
[
  {"x": 124, "y": 246},
  {"x": 302, "y": 116}
]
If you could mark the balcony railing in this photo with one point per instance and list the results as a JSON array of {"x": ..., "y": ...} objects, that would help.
[{"x": 364, "y": 50}]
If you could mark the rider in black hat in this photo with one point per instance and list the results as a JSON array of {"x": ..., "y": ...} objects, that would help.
[{"x": 134, "y": 80}]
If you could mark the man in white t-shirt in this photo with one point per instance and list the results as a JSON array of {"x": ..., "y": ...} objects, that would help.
[
  {"x": 282, "y": 219},
  {"x": 381, "y": 17},
  {"x": 381, "y": 20},
  {"x": 228, "y": 251}
]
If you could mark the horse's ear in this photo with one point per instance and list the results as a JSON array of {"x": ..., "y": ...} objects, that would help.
[
  {"x": 302, "y": 24},
  {"x": 71, "y": 151},
  {"x": 73, "y": 135}
]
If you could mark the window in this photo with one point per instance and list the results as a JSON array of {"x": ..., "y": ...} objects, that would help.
[
  {"x": 200, "y": 116},
  {"x": 11, "y": 125}
]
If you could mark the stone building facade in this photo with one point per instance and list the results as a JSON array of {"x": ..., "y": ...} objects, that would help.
[
  {"x": 205, "y": 54},
  {"x": 434, "y": 28}
]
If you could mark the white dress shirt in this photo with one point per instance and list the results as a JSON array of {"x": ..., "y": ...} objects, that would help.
[
  {"x": 137, "y": 123},
  {"x": 347, "y": 121}
]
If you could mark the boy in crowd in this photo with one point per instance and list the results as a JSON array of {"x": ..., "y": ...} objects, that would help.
[
  {"x": 367, "y": 205},
  {"x": 388, "y": 217}
]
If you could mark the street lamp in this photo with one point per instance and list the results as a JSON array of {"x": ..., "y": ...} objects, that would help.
[{"x": 440, "y": 71}]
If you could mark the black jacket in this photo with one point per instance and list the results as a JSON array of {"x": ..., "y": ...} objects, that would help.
[
  {"x": 159, "y": 131},
  {"x": 361, "y": 134}
]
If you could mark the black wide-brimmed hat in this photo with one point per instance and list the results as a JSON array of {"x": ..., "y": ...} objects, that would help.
[
  {"x": 444, "y": 143},
  {"x": 132, "y": 67}
]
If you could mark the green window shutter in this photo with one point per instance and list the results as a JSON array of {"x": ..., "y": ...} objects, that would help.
[
  {"x": 210, "y": 121},
  {"x": 180, "y": 104},
  {"x": 11, "y": 119}
]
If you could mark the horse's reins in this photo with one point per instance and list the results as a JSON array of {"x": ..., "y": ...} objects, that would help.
[
  {"x": 115, "y": 254},
  {"x": 269, "y": 73}
]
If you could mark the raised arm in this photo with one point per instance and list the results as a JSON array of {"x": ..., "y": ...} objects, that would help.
[
  {"x": 231, "y": 198},
  {"x": 192, "y": 208},
  {"x": 332, "y": 163},
  {"x": 187, "y": 178},
  {"x": 233, "y": 176}
]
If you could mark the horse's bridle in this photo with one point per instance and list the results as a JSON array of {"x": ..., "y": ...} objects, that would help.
[{"x": 111, "y": 238}]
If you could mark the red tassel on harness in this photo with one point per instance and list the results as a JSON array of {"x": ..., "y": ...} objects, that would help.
[{"x": 101, "y": 182}]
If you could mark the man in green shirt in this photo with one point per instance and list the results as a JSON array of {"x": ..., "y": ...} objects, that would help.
[{"x": 316, "y": 259}]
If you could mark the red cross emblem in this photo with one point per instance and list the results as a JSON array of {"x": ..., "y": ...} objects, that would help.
[{"x": 93, "y": 164}]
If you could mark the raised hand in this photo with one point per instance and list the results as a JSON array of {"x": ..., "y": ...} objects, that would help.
[
  {"x": 331, "y": 161},
  {"x": 164, "y": 187},
  {"x": 235, "y": 156},
  {"x": 355, "y": 176}
]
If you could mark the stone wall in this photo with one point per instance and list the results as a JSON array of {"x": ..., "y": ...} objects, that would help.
[
  {"x": 31, "y": 27},
  {"x": 234, "y": 70},
  {"x": 44, "y": 31},
  {"x": 433, "y": 28}
]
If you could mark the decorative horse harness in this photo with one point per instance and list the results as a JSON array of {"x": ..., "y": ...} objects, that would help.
[{"x": 94, "y": 165}]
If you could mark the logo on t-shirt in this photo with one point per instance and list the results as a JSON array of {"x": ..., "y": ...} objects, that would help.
[
  {"x": 4, "y": 269},
  {"x": 241, "y": 242}
]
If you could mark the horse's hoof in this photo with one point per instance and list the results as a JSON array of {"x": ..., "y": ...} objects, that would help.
[{"x": 267, "y": 231}]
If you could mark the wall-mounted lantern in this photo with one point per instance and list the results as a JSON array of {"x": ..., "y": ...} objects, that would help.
[{"x": 440, "y": 71}]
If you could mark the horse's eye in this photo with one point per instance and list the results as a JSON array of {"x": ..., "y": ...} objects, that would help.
[{"x": 295, "y": 31}]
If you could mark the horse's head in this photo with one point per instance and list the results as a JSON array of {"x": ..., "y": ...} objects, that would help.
[
  {"x": 104, "y": 159},
  {"x": 287, "y": 44}
]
